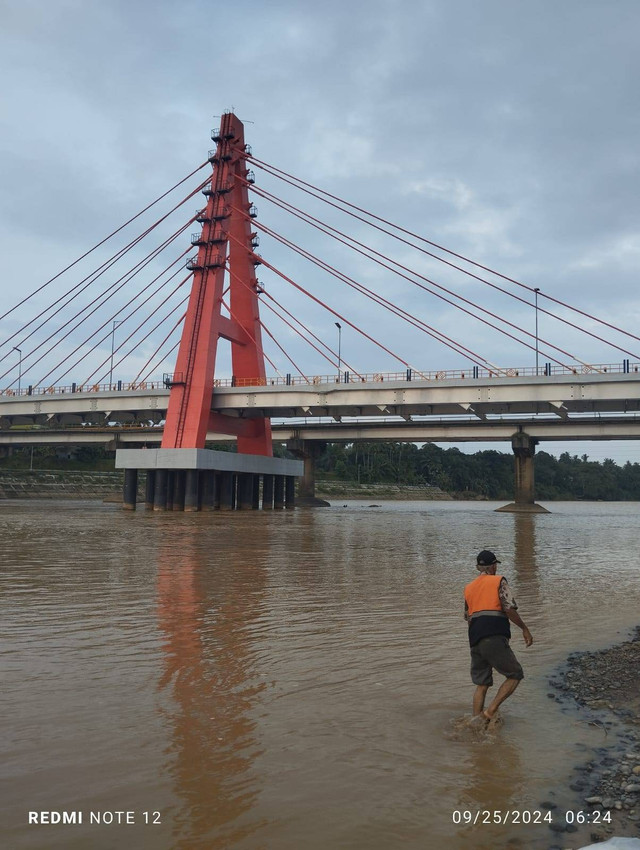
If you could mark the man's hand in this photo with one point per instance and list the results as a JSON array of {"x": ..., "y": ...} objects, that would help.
[{"x": 526, "y": 634}]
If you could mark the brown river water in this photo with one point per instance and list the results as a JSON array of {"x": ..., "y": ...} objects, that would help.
[{"x": 277, "y": 681}]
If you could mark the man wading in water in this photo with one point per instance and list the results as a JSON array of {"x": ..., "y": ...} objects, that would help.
[{"x": 488, "y": 607}]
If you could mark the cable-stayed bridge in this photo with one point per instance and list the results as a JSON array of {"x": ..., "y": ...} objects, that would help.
[{"x": 87, "y": 351}]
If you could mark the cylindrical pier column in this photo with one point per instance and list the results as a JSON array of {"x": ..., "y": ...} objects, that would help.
[
  {"x": 226, "y": 491},
  {"x": 255, "y": 503},
  {"x": 179, "y": 480},
  {"x": 290, "y": 491},
  {"x": 191, "y": 491},
  {"x": 160, "y": 495},
  {"x": 245, "y": 491},
  {"x": 278, "y": 491},
  {"x": 130, "y": 489},
  {"x": 524, "y": 448},
  {"x": 150, "y": 489},
  {"x": 267, "y": 492},
  {"x": 208, "y": 490},
  {"x": 171, "y": 483}
]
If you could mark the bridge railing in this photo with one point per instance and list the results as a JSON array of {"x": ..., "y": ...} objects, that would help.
[{"x": 475, "y": 372}]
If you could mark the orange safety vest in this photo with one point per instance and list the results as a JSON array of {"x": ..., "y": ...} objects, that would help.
[{"x": 482, "y": 594}]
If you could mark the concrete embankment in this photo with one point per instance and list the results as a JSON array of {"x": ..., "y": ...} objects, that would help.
[{"x": 60, "y": 484}]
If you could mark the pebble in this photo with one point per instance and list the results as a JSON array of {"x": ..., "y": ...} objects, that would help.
[{"x": 632, "y": 787}]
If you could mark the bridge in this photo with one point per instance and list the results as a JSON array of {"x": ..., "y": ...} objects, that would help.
[{"x": 563, "y": 398}]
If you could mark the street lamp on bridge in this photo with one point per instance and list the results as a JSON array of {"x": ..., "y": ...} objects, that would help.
[
  {"x": 536, "y": 290},
  {"x": 114, "y": 325},
  {"x": 15, "y": 348},
  {"x": 339, "y": 326}
]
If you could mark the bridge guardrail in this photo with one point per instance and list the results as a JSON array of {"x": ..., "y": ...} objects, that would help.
[{"x": 475, "y": 372}]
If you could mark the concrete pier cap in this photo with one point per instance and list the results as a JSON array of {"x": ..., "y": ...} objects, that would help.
[{"x": 206, "y": 459}]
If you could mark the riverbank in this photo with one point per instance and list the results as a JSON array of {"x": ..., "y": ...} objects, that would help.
[
  {"x": 603, "y": 687},
  {"x": 398, "y": 492}
]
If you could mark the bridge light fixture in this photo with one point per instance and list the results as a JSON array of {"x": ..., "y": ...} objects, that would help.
[
  {"x": 15, "y": 348},
  {"x": 536, "y": 290},
  {"x": 339, "y": 326},
  {"x": 114, "y": 325}
]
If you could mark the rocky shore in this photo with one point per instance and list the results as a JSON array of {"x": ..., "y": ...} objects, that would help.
[{"x": 604, "y": 688}]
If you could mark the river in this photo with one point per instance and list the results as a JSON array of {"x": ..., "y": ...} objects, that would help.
[{"x": 277, "y": 681}]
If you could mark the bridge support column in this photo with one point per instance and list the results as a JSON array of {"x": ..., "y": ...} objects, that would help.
[
  {"x": 267, "y": 492},
  {"x": 524, "y": 448},
  {"x": 278, "y": 492},
  {"x": 179, "y": 482},
  {"x": 130, "y": 490},
  {"x": 289, "y": 492},
  {"x": 307, "y": 451},
  {"x": 208, "y": 490},
  {"x": 170, "y": 492},
  {"x": 150, "y": 489},
  {"x": 245, "y": 491},
  {"x": 191, "y": 492},
  {"x": 160, "y": 495},
  {"x": 256, "y": 493},
  {"x": 226, "y": 491}
]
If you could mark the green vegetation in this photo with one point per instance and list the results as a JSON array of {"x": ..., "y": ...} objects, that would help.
[{"x": 487, "y": 474}]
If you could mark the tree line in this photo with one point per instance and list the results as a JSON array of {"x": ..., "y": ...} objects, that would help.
[{"x": 485, "y": 474}]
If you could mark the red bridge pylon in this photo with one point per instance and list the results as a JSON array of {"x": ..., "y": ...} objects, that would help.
[{"x": 225, "y": 247}]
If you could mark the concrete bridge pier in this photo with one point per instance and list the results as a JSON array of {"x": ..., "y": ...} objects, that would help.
[
  {"x": 130, "y": 489},
  {"x": 191, "y": 480},
  {"x": 524, "y": 448},
  {"x": 267, "y": 492},
  {"x": 150, "y": 488},
  {"x": 308, "y": 452},
  {"x": 278, "y": 492}
]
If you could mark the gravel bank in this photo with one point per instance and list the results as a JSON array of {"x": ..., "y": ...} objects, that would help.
[{"x": 604, "y": 689}]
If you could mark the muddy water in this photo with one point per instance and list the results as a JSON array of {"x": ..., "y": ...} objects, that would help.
[{"x": 289, "y": 680}]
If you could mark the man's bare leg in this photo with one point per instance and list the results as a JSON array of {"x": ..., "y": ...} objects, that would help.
[
  {"x": 505, "y": 690},
  {"x": 478, "y": 698}
]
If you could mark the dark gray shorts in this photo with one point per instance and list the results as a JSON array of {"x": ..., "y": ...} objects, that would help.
[{"x": 493, "y": 653}]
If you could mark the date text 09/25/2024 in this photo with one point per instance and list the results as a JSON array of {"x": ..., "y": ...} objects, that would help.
[{"x": 466, "y": 817}]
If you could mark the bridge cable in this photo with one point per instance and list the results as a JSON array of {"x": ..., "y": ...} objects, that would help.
[
  {"x": 95, "y": 274},
  {"x": 421, "y": 286},
  {"x": 167, "y": 316},
  {"x": 145, "y": 377},
  {"x": 276, "y": 172},
  {"x": 456, "y": 346},
  {"x": 289, "y": 358},
  {"x": 282, "y": 319},
  {"x": 314, "y": 222},
  {"x": 149, "y": 259},
  {"x": 104, "y": 297},
  {"x": 331, "y": 310},
  {"x": 251, "y": 339},
  {"x": 106, "y": 239},
  {"x": 109, "y": 332},
  {"x": 133, "y": 332}
]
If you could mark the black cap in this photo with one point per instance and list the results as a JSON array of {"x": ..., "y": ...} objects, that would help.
[{"x": 486, "y": 558}]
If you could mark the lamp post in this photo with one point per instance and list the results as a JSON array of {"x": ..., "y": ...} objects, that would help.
[
  {"x": 537, "y": 290},
  {"x": 15, "y": 348},
  {"x": 339, "y": 326},
  {"x": 114, "y": 325}
]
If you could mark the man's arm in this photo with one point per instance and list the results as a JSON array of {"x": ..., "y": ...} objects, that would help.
[{"x": 515, "y": 618}]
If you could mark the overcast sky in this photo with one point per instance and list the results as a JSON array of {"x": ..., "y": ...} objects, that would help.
[{"x": 506, "y": 131}]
